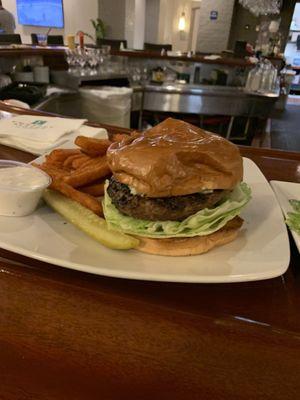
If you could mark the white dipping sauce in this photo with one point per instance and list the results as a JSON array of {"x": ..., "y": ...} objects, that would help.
[
  {"x": 24, "y": 178},
  {"x": 20, "y": 189}
]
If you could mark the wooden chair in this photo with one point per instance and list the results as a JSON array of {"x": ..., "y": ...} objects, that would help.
[
  {"x": 113, "y": 43},
  {"x": 157, "y": 47},
  {"x": 55, "y": 40},
  {"x": 10, "y": 39},
  {"x": 52, "y": 40}
]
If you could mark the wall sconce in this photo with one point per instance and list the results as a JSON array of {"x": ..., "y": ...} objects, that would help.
[{"x": 182, "y": 22}]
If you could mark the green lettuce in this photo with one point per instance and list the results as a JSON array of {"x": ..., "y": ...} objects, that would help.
[
  {"x": 293, "y": 218},
  {"x": 202, "y": 223}
]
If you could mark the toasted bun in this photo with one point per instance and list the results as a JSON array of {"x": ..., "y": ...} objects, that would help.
[
  {"x": 191, "y": 246},
  {"x": 175, "y": 158}
]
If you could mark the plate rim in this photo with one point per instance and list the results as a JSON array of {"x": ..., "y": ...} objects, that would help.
[
  {"x": 145, "y": 276},
  {"x": 273, "y": 184}
]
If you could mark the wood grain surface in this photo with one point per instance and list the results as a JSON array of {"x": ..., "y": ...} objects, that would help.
[{"x": 70, "y": 335}]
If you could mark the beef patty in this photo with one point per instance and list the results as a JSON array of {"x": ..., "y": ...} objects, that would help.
[{"x": 175, "y": 208}]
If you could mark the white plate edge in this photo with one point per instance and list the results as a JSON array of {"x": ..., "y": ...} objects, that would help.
[{"x": 275, "y": 187}]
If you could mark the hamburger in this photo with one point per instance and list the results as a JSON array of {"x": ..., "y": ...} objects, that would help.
[{"x": 177, "y": 188}]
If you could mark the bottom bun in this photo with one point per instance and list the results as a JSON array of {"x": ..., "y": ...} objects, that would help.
[{"x": 191, "y": 246}]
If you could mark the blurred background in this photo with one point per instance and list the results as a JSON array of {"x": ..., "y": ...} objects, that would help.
[{"x": 232, "y": 67}]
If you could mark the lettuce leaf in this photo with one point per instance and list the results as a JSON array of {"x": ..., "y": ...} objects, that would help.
[
  {"x": 202, "y": 223},
  {"x": 293, "y": 218},
  {"x": 295, "y": 205}
]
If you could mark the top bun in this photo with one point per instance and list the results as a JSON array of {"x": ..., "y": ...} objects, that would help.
[{"x": 175, "y": 158}]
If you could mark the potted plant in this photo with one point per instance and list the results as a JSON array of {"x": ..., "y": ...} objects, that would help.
[{"x": 100, "y": 29}]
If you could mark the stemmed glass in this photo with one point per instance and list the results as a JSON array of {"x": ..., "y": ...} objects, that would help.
[
  {"x": 71, "y": 60},
  {"x": 93, "y": 60},
  {"x": 82, "y": 60},
  {"x": 88, "y": 61},
  {"x": 103, "y": 56}
]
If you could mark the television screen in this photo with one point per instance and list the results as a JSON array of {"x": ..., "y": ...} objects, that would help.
[{"x": 47, "y": 13}]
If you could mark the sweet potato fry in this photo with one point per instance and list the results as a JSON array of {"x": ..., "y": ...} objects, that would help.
[
  {"x": 97, "y": 189},
  {"x": 97, "y": 168},
  {"x": 58, "y": 156},
  {"x": 68, "y": 163},
  {"x": 118, "y": 137},
  {"x": 84, "y": 199},
  {"x": 79, "y": 162},
  {"x": 52, "y": 170},
  {"x": 90, "y": 162},
  {"x": 59, "y": 185},
  {"x": 92, "y": 146}
]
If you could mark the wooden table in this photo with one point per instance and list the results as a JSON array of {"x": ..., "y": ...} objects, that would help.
[{"x": 71, "y": 335}]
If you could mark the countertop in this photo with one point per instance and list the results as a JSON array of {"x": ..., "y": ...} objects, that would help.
[{"x": 29, "y": 50}]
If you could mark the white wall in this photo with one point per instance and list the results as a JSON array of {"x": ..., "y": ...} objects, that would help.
[
  {"x": 113, "y": 14},
  {"x": 291, "y": 51},
  {"x": 139, "y": 32},
  {"x": 76, "y": 18},
  {"x": 152, "y": 21},
  {"x": 129, "y": 22},
  {"x": 165, "y": 22},
  {"x": 170, "y": 12},
  {"x": 213, "y": 35},
  {"x": 295, "y": 25},
  {"x": 135, "y": 23},
  {"x": 180, "y": 40}
]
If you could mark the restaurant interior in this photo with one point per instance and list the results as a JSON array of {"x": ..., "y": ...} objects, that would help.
[{"x": 119, "y": 117}]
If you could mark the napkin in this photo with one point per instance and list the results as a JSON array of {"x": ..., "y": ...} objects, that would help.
[
  {"x": 212, "y": 57},
  {"x": 39, "y": 134}
]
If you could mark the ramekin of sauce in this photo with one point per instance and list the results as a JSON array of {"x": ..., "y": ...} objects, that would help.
[{"x": 21, "y": 187}]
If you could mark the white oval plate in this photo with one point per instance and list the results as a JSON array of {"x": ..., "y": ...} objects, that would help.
[{"x": 261, "y": 250}]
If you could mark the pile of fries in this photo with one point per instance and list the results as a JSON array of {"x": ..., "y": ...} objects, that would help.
[{"x": 80, "y": 173}]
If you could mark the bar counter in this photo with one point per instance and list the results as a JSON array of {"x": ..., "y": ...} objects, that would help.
[
  {"x": 70, "y": 335},
  {"x": 58, "y": 51},
  {"x": 27, "y": 50},
  {"x": 230, "y": 61},
  {"x": 54, "y": 57}
]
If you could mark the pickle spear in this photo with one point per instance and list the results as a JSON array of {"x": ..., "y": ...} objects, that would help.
[{"x": 88, "y": 222}]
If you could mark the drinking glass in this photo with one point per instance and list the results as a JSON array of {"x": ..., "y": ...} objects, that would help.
[
  {"x": 42, "y": 39},
  {"x": 82, "y": 60},
  {"x": 71, "y": 60},
  {"x": 103, "y": 57},
  {"x": 93, "y": 60}
]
